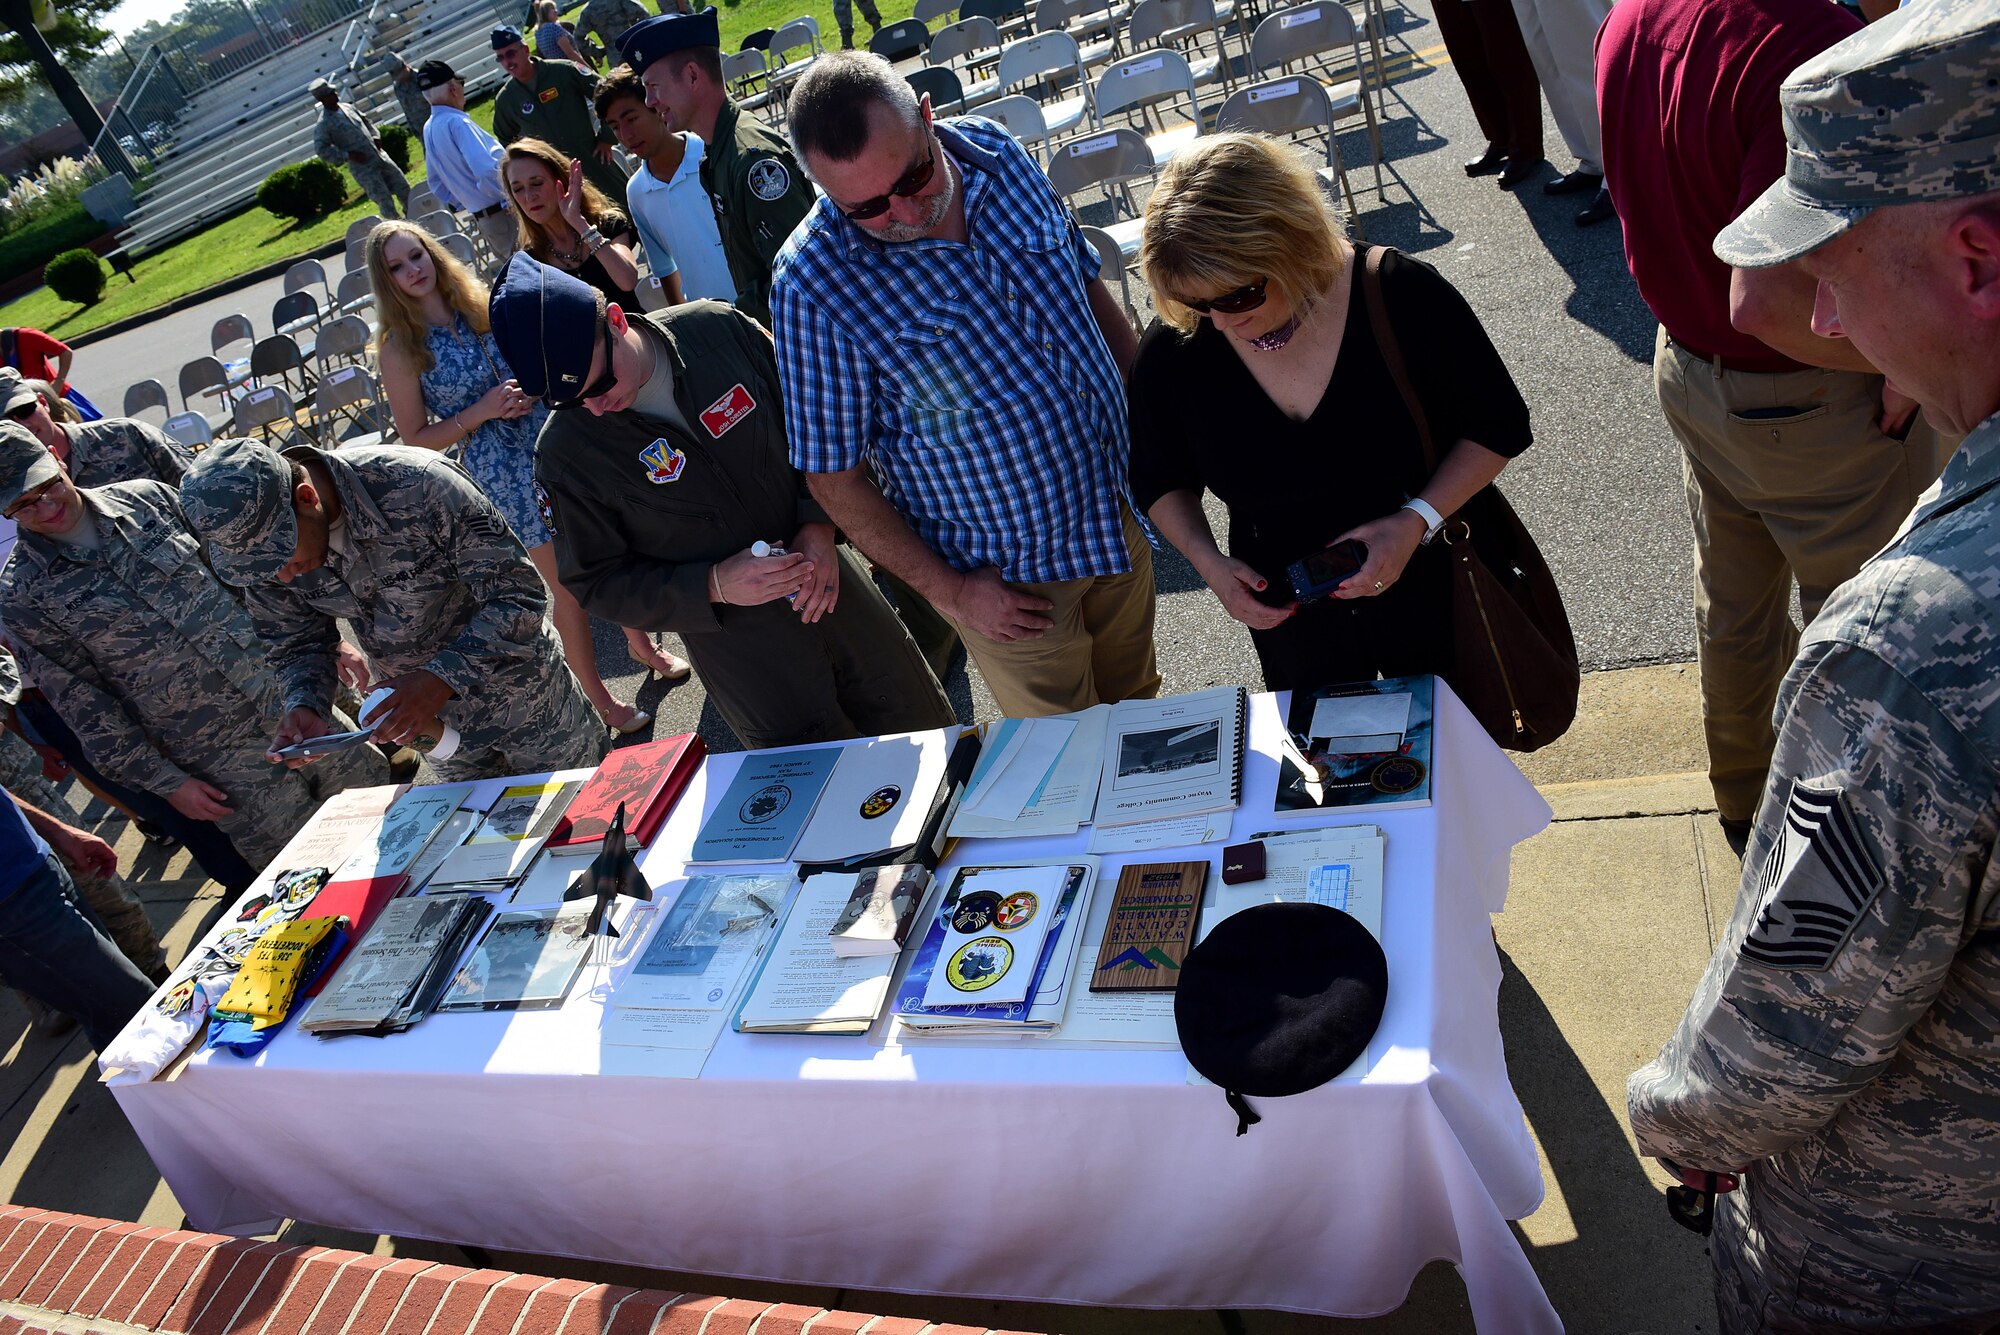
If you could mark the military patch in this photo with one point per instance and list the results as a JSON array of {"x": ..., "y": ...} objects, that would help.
[
  {"x": 547, "y": 507},
  {"x": 768, "y": 179},
  {"x": 663, "y": 462},
  {"x": 1818, "y": 879},
  {"x": 727, "y": 411},
  {"x": 549, "y": 94}
]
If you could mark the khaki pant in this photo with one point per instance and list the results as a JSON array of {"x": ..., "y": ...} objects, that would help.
[
  {"x": 1808, "y": 494},
  {"x": 1099, "y": 651},
  {"x": 1561, "y": 36},
  {"x": 499, "y": 232}
]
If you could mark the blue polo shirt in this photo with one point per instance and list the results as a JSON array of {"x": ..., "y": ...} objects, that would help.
[{"x": 971, "y": 377}]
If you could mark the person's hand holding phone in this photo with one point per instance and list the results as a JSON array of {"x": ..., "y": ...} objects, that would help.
[
  {"x": 297, "y": 725},
  {"x": 1236, "y": 586},
  {"x": 1391, "y": 541}
]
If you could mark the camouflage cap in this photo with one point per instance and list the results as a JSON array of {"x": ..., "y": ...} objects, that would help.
[
  {"x": 15, "y": 391},
  {"x": 1904, "y": 111},
  {"x": 25, "y": 463},
  {"x": 320, "y": 85},
  {"x": 237, "y": 495}
]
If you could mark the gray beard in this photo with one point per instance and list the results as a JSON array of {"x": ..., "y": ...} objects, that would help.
[{"x": 941, "y": 202}]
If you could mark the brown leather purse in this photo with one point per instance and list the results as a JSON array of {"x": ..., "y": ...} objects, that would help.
[{"x": 1514, "y": 658}]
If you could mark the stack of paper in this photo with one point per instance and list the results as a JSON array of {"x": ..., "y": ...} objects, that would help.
[
  {"x": 419, "y": 818},
  {"x": 394, "y": 977},
  {"x": 878, "y": 798},
  {"x": 1340, "y": 867},
  {"x": 802, "y": 987},
  {"x": 1165, "y": 760},
  {"x": 526, "y": 961},
  {"x": 934, "y": 999},
  {"x": 509, "y": 839},
  {"x": 1061, "y": 786}
]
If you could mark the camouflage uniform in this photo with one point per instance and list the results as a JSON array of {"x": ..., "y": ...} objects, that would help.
[
  {"x": 124, "y": 918},
  {"x": 145, "y": 654},
  {"x": 416, "y": 108},
  {"x": 119, "y": 449},
  {"x": 1841, "y": 1048},
  {"x": 428, "y": 575},
  {"x": 342, "y": 130},
  {"x": 605, "y": 19}
]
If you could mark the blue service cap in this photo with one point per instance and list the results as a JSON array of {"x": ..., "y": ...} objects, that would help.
[
  {"x": 504, "y": 36},
  {"x": 545, "y": 322},
  {"x": 649, "y": 39}
]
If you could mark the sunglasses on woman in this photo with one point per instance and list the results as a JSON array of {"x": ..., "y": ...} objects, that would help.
[
  {"x": 1246, "y": 298},
  {"x": 915, "y": 179},
  {"x": 601, "y": 385}
]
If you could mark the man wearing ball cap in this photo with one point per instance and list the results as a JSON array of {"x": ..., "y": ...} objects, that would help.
[
  {"x": 749, "y": 172},
  {"x": 401, "y": 544},
  {"x": 662, "y": 469},
  {"x": 147, "y": 656},
  {"x": 1839, "y": 1058}
]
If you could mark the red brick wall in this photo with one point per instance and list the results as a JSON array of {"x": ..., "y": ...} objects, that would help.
[{"x": 112, "y": 1276}]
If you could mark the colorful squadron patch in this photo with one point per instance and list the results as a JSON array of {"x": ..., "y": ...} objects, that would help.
[
  {"x": 663, "y": 462},
  {"x": 977, "y": 965},
  {"x": 1016, "y": 910},
  {"x": 1819, "y": 878},
  {"x": 881, "y": 802},
  {"x": 548, "y": 509}
]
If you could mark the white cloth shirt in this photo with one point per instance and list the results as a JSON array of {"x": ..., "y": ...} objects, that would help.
[
  {"x": 463, "y": 161},
  {"x": 676, "y": 222}
]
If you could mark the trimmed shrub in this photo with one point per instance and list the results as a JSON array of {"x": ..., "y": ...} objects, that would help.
[
  {"x": 396, "y": 143},
  {"x": 304, "y": 191},
  {"x": 33, "y": 246},
  {"x": 76, "y": 275}
]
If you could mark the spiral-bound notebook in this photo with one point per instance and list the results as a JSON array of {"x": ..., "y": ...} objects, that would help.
[{"x": 1181, "y": 756}]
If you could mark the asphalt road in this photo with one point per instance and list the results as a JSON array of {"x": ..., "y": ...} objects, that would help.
[{"x": 1600, "y": 488}]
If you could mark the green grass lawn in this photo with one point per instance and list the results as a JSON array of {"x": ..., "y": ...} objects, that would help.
[
  {"x": 249, "y": 240},
  {"x": 257, "y": 237}
]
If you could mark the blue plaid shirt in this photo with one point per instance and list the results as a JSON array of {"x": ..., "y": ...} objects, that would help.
[{"x": 971, "y": 377}]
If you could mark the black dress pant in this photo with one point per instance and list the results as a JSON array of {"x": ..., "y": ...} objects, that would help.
[{"x": 1484, "y": 39}]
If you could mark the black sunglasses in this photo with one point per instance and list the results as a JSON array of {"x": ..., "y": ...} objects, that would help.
[
  {"x": 1246, "y": 298},
  {"x": 601, "y": 385},
  {"x": 915, "y": 179}
]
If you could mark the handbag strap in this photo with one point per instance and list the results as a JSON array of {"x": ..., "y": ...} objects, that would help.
[{"x": 1392, "y": 352}]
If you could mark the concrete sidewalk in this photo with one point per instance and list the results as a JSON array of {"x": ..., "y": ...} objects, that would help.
[{"x": 1612, "y": 913}]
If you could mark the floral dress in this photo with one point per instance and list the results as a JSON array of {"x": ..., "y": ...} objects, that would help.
[{"x": 500, "y": 454}]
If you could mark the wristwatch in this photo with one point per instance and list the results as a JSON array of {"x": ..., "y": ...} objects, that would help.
[{"x": 1424, "y": 510}]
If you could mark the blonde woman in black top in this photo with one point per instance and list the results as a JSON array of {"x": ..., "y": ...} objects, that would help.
[{"x": 1262, "y": 382}]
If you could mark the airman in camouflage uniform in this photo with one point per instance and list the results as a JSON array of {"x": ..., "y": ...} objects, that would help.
[
  {"x": 347, "y": 138},
  {"x": 438, "y": 590},
  {"x": 124, "y": 918},
  {"x": 1841, "y": 1051},
  {"x": 111, "y": 449},
  {"x": 605, "y": 19},
  {"x": 145, "y": 653},
  {"x": 416, "y": 107}
]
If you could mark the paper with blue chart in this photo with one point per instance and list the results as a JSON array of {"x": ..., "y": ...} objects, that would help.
[{"x": 1340, "y": 867}]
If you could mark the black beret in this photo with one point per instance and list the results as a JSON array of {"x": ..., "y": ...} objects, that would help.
[
  {"x": 1279, "y": 999},
  {"x": 434, "y": 74}
]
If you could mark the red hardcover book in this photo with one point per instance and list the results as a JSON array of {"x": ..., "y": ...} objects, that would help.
[
  {"x": 358, "y": 902},
  {"x": 648, "y": 779}
]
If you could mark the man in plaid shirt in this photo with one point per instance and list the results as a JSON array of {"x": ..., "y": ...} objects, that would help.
[{"x": 953, "y": 378}]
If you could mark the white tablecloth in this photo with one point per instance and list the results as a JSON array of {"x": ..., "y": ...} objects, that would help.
[{"x": 998, "y": 1171}]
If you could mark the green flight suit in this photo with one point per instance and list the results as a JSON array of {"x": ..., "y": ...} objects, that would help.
[
  {"x": 642, "y": 511},
  {"x": 556, "y": 109},
  {"x": 760, "y": 195}
]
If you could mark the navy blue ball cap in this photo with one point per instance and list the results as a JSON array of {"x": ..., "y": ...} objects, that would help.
[
  {"x": 504, "y": 36},
  {"x": 646, "y": 41},
  {"x": 545, "y": 322}
]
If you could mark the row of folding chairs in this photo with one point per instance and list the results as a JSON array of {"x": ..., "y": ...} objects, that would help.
[{"x": 317, "y": 409}]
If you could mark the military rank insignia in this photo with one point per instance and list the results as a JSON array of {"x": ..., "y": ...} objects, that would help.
[
  {"x": 663, "y": 462},
  {"x": 1818, "y": 878}
]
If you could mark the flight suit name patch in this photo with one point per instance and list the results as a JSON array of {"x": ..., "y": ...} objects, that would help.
[
  {"x": 727, "y": 411},
  {"x": 663, "y": 462},
  {"x": 549, "y": 94}
]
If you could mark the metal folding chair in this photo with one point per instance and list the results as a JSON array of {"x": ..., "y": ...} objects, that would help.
[
  {"x": 359, "y": 229},
  {"x": 975, "y": 41},
  {"x": 350, "y": 395},
  {"x": 1111, "y": 160},
  {"x": 928, "y": 12},
  {"x": 1167, "y": 23},
  {"x": 744, "y": 70},
  {"x": 941, "y": 83},
  {"x": 344, "y": 340},
  {"x": 1048, "y": 60},
  {"x": 354, "y": 294},
  {"x": 278, "y": 358},
  {"x": 305, "y": 274},
  {"x": 901, "y": 40},
  {"x": 1111, "y": 265},
  {"x": 190, "y": 429},
  {"x": 1314, "y": 29},
  {"x": 459, "y": 246},
  {"x": 440, "y": 223},
  {"x": 295, "y": 311},
  {"x": 1298, "y": 105},
  {"x": 146, "y": 394},
  {"x": 1139, "y": 84},
  {"x": 1083, "y": 20},
  {"x": 270, "y": 414}
]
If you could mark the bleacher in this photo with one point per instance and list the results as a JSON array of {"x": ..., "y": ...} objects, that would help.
[{"x": 237, "y": 132}]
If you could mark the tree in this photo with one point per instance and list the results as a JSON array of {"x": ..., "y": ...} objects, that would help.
[{"x": 73, "y": 37}]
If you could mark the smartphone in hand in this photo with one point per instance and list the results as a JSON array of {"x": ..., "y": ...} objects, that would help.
[
  {"x": 1321, "y": 572},
  {"x": 312, "y": 748}
]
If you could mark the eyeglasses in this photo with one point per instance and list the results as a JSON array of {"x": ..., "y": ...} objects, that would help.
[
  {"x": 915, "y": 179},
  {"x": 1246, "y": 298},
  {"x": 45, "y": 492},
  {"x": 602, "y": 385}
]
